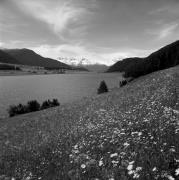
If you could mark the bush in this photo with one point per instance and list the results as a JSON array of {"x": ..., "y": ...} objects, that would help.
[
  {"x": 15, "y": 110},
  {"x": 33, "y": 106},
  {"x": 55, "y": 102},
  {"x": 122, "y": 83},
  {"x": 12, "y": 110},
  {"x": 47, "y": 104},
  {"x": 102, "y": 88}
]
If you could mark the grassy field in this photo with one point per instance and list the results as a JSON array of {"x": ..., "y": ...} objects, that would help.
[{"x": 129, "y": 133}]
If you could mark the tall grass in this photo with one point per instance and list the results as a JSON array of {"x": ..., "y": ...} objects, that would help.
[{"x": 130, "y": 134}]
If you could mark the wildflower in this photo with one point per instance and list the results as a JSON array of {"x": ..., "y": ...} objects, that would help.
[
  {"x": 129, "y": 167},
  {"x": 126, "y": 144},
  {"x": 140, "y": 133},
  {"x": 154, "y": 169},
  {"x": 177, "y": 172},
  {"x": 113, "y": 155},
  {"x": 170, "y": 177},
  {"x": 83, "y": 166},
  {"x": 136, "y": 176},
  {"x": 172, "y": 150},
  {"x": 132, "y": 162},
  {"x": 138, "y": 168}
]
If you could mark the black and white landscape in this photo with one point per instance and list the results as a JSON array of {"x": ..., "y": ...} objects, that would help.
[{"x": 89, "y": 90}]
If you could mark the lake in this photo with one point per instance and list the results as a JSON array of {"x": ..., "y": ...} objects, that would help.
[{"x": 65, "y": 87}]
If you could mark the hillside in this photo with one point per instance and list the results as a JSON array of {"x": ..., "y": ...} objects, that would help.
[
  {"x": 91, "y": 67},
  {"x": 29, "y": 57},
  {"x": 6, "y": 58},
  {"x": 165, "y": 57},
  {"x": 96, "y": 67},
  {"x": 129, "y": 133},
  {"x": 79, "y": 68}
]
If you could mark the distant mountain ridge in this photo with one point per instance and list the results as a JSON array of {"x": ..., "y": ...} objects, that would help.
[
  {"x": 29, "y": 57},
  {"x": 165, "y": 57},
  {"x": 85, "y": 63},
  {"x": 96, "y": 67}
]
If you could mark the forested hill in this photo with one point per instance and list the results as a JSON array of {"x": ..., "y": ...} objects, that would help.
[
  {"x": 29, "y": 57},
  {"x": 6, "y": 58},
  {"x": 165, "y": 57}
]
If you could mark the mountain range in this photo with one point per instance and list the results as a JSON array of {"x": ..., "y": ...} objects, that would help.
[
  {"x": 165, "y": 57},
  {"x": 84, "y": 63},
  {"x": 29, "y": 57}
]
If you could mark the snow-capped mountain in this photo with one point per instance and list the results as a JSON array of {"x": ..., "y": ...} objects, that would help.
[
  {"x": 84, "y": 62},
  {"x": 75, "y": 61}
]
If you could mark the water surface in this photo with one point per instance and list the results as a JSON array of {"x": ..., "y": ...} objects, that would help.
[{"x": 65, "y": 87}]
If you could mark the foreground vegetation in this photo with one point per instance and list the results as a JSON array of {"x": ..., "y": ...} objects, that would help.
[
  {"x": 130, "y": 133},
  {"x": 9, "y": 67},
  {"x": 31, "y": 106}
]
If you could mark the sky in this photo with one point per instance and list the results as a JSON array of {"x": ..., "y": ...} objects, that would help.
[{"x": 102, "y": 31}]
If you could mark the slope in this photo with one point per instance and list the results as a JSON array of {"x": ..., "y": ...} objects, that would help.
[
  {"x": 165, "y": 57},
  {"x": 127, "y": 133},
  {"x": 6, "y": 58},
  {"x": 29, "y": 57}
]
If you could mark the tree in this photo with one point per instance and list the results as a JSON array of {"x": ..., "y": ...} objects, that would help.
[
  {"x": 102, "y": 88},
  {"x": 33, "y": 106},
  {"x": 55, "y": 102}
]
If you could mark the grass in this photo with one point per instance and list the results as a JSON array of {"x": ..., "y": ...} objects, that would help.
[{"x": 129, "y": 133}]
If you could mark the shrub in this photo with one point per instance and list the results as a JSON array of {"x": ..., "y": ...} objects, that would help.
[
  {"x": 12, "y": 110},
  {"x": 33, "y": 106},
  {"x": 45, "y": 105},
  {"x": 102, "y": 88},
  {"x": 15, "y": 110},
  {"x": 123, "y": 83},
  {"x": 55, "y": 102}
]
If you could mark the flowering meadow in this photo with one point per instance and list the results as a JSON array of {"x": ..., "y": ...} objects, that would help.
[{"x": 129, "y": 133}]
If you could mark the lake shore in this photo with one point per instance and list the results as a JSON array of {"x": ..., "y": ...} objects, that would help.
[
  {"x": 124, "y": 123},
  {"x": 23, "y": 73}
]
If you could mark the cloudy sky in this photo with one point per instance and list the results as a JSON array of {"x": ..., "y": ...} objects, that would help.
[{"x": 100, "y": 30}]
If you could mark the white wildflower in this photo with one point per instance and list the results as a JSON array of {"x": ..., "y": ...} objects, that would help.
[
  {"x": 129, "y": 167},
  {"x": 140, "y": 133},
  {"x": 126, "y": 144},
  {"x": 154, "y": 169},
  {"x": 172, "y": 150},
  {"x": 132, "y": 162},
  {"x": 83, "y": 166},
  {"x": 113, "y": 155},
  {"x": 170, "y": 177},
  {"x": 138, "y": 168},
  {"x": 100, "y": 163},
  {"x": 136, "y": 176},
  {"x": 177, "y": 172}
]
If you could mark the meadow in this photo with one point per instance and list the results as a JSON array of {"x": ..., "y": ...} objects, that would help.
[{"x": 129, "y": 133}]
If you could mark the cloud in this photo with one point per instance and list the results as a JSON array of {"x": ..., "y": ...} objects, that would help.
[
  {"x": 168, "y": 30},
  {"x": 60, "y": 16},
  {"x": 171, "y": 8},
  {"x": 78, "y": 51},
  {"x": 1, "y": 44},
  {"x": 164, "y": 32}
]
